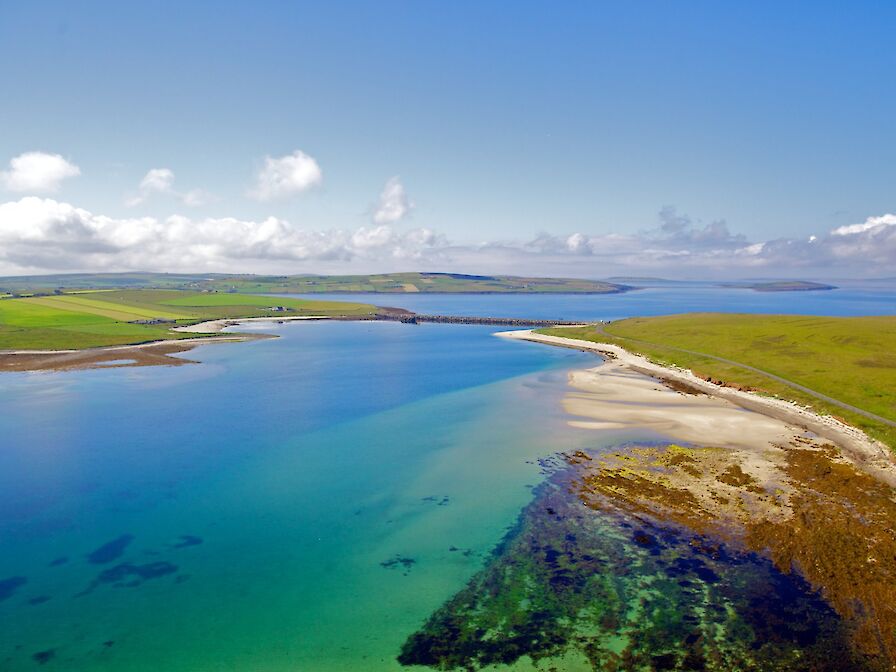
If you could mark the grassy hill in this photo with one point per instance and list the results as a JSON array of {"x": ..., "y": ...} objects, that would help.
[
  {"x": 851, "y": 359},
  {"x": 120, "y": 317},
  {"x": 388, "y": 283}
]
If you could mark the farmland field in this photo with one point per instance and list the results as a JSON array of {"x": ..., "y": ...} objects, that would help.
[
  {"x": 385, "y": 283},
  {"x": 87, "y": 320}
]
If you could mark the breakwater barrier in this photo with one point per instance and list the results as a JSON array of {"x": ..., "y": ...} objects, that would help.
[{"x": 416, "y": 318}]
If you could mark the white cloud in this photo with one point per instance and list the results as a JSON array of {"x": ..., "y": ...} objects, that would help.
[
  {"x": 195, "y": 197},
  {"x": 394, "y": 204},
  {"x": 45, "y": 235},
  {"x": 158, "y": 179},
  {"x": 679, "y": 247},
  {"x": 37, "y": 172},
  {"x": 285, "y": 176},
  {"x": 869, "y": 224},
  {"x": 161, "y": 181}
]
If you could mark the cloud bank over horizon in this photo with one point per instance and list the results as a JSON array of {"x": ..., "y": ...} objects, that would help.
[{"x": 44, "y": 235}]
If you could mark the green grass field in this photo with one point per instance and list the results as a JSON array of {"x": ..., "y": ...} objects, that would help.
[
  {"x": 851, "y": 359},
  {"x": 94, "y": 319},
  {"x": 386, "y": 283}
]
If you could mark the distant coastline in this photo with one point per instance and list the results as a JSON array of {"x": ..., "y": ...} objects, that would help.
[
  {"x": 384, "y": 283},
  {"x": 782, "y": 286}
]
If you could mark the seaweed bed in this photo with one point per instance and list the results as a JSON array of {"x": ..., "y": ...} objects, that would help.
[{"x": 618, "y": 565}]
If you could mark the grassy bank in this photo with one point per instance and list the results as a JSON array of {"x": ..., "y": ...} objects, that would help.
[
  {"x": 851, "y": 359},
  {"x": 384, "y": 283},
  {"x": 93, "y": 319}
]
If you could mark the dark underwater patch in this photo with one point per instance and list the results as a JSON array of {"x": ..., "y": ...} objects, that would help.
[
  {"x": 58, "y": 562},
  {"x": 9, "y": 586},
  {"x": 625, "y": 594},
  {"x": 127, "y": 575},
  {"x": 187, "y": 540},
  {"x": 399, "y": 562},
  {"x": 111, "y": 550},
  {"x": 42, "y": 657}
]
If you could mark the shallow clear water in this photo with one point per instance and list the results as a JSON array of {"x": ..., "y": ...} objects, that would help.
[
  {"x": 289, "y": 502},
  {"x": 298, "y": 503}
]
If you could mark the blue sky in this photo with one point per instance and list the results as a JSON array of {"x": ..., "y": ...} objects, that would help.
[{"x": 502, "y": 124}]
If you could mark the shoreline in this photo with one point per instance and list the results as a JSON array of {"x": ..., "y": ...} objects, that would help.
[
  {"x": 617, "y": 371},
  {"x": 736, "y": 470},
  {"x": 151, "y": 353},
  {"x": 218, "y": 325}
]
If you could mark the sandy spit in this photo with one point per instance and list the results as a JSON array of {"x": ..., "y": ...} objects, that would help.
[
  {"x": 154, "y": 353},
  {"x": 214, "y": 326},
  {"x": 627, "y": 391}
]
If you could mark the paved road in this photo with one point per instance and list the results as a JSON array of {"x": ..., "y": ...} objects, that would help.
[{"x": 789, "y": 383}]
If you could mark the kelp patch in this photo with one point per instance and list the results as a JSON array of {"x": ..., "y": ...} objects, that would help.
[{"x": 617, "y": 590}]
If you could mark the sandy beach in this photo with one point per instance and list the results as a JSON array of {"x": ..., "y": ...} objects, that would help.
[
  {"x": 810, "y": 493},
  {"x": 628, "y": 391},
  {"x": 215, "y": 326}
]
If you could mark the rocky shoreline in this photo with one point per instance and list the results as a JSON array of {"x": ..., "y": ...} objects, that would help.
[{"x": 759, "y": 476}]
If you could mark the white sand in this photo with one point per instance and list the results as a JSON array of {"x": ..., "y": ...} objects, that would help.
[
  {"x": 624, "y": 392},
  {"x": 214, "y": 326}
]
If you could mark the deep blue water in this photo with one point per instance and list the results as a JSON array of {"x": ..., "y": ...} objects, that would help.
[{"x": 873, "y": 300}]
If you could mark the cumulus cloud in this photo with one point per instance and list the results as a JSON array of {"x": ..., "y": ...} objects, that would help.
[
  {"x": 158, "y": 179},
  {"x": 679, "y": 246},
  {"x": 394, "y": 204},
  {"x": 161, "y": 181},
  {"x": 681, "y": 231},
  {"x": 870, "y": 224},
  {"x": 286, "y": 176},
  {"x": 45, "y": 235},
  {"x": 37, "y": 172}
]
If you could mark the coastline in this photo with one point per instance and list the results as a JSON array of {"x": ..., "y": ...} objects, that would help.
[
  {"x": 216, "y": 326},
  {"x": 152, "y": 353},
  {"x": 621, "y": 369},
  {"x": 756, "y": 476}
]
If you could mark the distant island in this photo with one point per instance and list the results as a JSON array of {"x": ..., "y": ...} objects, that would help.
[
  {"x": 638, "y": 282},
  {"x": 782, "y": 286},
  {"x": 385, "y": 283}
]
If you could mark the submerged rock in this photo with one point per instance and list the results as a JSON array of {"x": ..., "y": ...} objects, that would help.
[
  {"x": 9, "y": 586},
  {"x": 111, "y": 550}
]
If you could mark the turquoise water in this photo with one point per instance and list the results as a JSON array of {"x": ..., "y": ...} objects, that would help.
[
  {"x": 287, "y": 504},
  {"x": 303, "y": 503}
]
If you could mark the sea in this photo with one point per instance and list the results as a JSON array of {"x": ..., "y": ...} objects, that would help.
[{"x": 300, "y": 503}]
